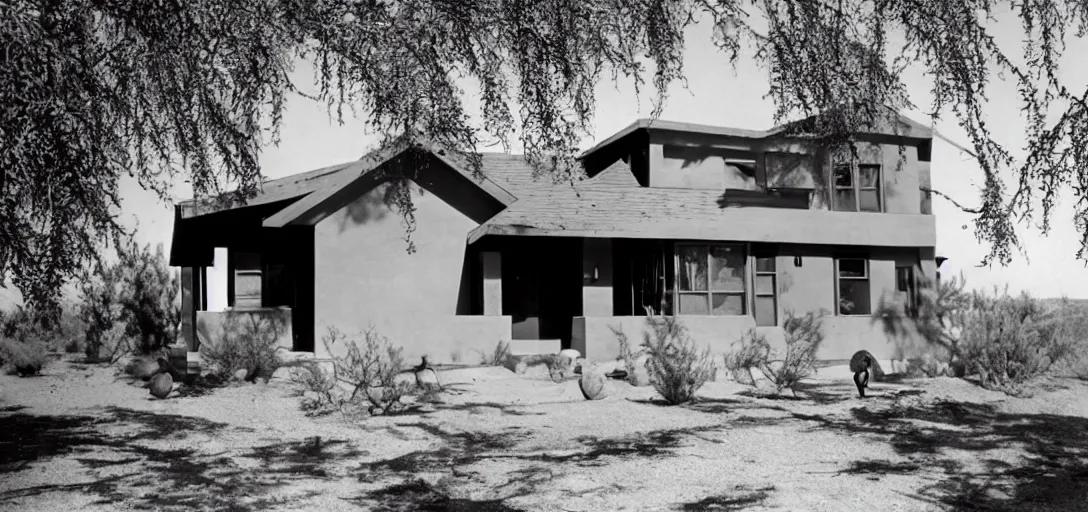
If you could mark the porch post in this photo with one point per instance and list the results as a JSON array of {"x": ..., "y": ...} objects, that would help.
[
  {"x": 216, "y": 283},
  {"x": 597, "y": 277},
  {"x": 492, "y": 272},
  {"x": 187, "y": 333}
]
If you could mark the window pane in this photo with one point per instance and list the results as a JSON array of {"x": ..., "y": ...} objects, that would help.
[
  {"x": 765, "y": 264},
  {"x": 693, "y": 304},
  {"x": 852, "y": 268},
  {"x": 854, "y": 297},
  {"x": 765, "y": 311},
  {"x": 843, "y": 176},
  {"x": 869, "y": 200},
  {"x": 727, "y": 268},
  {"x": 692, "y": 268},
  {"x": 868, "y": 176},
  {"x": 765, "y": 284},
  {"x": 728, "y": 304},
  {"x": 844, "y": 200}
]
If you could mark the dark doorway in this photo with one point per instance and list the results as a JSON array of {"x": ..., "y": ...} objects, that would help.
[{"x": 542, "y": 287}]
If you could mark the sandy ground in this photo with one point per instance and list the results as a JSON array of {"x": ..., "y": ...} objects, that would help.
[{"x": 81, "y": 438}]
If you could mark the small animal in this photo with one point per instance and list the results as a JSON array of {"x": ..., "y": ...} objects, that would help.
[
  {"x": 162, "y": 383},
  {"x": 860, "y": 364}
]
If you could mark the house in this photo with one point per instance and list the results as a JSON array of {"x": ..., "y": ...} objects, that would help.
[{"x": 728, "y": 229}]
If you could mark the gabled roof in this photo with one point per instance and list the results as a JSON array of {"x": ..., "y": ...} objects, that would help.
[{"x": 313, "y": 187}]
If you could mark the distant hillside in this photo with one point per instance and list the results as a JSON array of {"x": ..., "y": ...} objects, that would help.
[{"x": 1077, "y": 303}]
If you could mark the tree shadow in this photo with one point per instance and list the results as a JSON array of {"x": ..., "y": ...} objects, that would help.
[
  {"x": 741, "y": 498},
  {"x": 133, "y": 470},
  {"x": 1053, "y": 474},
  {"x": 417, "y": 494}
]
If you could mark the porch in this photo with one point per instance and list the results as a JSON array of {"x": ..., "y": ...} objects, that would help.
[
  {"x": 582, "y": 292},
  {"x": 237, "y": 275}
]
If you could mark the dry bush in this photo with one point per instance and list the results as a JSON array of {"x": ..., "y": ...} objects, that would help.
[
  {"x": 25, "y": 358},
  {"x": 1008, "y": 341},
  {"x": 753, "y": 352},
  {"x": 629, "y": 357},
  {"x": 498, "y": 357},
  {"x": 250, "y": 344},
  {"x": 317, "y": 388},
  {"x": 370, "y": 370},
  {"x": 804, "y": 335},
  {"x": 676, "y": 366}
]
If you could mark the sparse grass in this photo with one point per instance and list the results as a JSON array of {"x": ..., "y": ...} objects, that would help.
[{"x": 498, "y": 357}]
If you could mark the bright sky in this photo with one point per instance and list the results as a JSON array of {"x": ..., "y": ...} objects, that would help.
[{"x": 719, "y": 96}]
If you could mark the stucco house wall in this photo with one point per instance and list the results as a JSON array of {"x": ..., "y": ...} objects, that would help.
[
  {"x": 804, "y": 288},
  {"x": 364, "y": 277}
]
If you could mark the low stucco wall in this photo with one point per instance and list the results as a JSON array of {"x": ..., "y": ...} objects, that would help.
[
  {"x": 595, "y": 339},
  {"x": 443, "y": 339},
  {"x": 213, "y": 326}
]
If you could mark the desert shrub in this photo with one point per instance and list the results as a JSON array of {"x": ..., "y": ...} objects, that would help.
[
  {"x": 150, "y": 298},
  {"x": 138, "y": 292},
  {"x": 498, "y": 357},
  {"x": 937, "y": 320},
  {"x": 317, "y": 388},
  {"x": 676, "y": 366},
  {"x": 245, "y": 342},
  {"x": 26, "y": 357},
  {"x": 752, "y": 351},
  {"x": 628, "y": 356},
  {"x": 1008, "y": 341},
  {"x": 804, "y": 335},
  {"x": 369, "y": 369},
  {"x": 101, "y": 310}
]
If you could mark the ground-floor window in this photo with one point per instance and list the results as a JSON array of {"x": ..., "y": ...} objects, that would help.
[
  {"x": 711, "y": 279},
  {"x": 766, "y": 304},
  {"x": 852, "y": 282}
]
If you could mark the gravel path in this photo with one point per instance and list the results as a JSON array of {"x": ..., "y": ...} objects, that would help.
[{"x": 81, "y": 438}]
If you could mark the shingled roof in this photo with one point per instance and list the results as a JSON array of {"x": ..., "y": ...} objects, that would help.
[{"x": 593, "y": 211}]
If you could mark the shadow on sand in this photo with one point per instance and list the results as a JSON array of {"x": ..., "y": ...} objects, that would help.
[{"x": 118, "y": 450}]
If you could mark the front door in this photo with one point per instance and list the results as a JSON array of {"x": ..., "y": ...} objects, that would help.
[{"x": 542, "y": 287}]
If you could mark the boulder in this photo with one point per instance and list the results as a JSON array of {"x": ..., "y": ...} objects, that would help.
[
  {"x": 240, "y": 375},
  {"x": 161, "y": 385},
  {"x": 592, "y": 384},
  {"x": 570, "y": 353}
]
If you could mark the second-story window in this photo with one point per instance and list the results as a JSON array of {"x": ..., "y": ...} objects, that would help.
[{"x": 857, "y": 187}]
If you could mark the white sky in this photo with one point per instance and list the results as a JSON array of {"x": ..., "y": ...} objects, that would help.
[{"x": 719, "y": 96}]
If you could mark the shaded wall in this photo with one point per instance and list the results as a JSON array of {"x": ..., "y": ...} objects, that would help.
[{"x": 365, "y": 277}]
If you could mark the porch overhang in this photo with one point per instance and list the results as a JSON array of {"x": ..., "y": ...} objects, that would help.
[{"x": 770, "y": 225}]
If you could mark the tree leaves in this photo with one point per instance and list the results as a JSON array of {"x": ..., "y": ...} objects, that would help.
[{"x": 94, "y": 89}]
